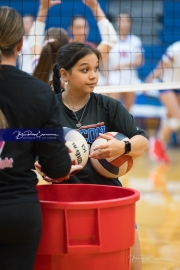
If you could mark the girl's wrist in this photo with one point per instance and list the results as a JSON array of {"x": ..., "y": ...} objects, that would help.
[
  {"x": 43, "y": 11},
  {"x": 95, "y": 9}
]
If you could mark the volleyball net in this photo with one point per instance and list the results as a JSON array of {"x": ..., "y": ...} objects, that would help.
[
  {"x": 143, "y": 87},
  {"x": 154, "y": 23}
]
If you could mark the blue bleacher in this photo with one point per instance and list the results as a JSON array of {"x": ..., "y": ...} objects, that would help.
[
  {"x": 169, "y": 34},
  {"x": 171, "y": 22},
  {"x": 171, "y": 5}
]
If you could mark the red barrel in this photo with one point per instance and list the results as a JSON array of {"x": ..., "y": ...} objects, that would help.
[{"x": 86, "y": 227}]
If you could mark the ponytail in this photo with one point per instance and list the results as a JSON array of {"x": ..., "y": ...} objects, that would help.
[
  {"x": 44, "y": 66},
  {"x": 56, "y": 79}
]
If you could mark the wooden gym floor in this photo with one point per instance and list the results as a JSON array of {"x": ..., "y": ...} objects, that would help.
[{"x": 158, "y": 210}]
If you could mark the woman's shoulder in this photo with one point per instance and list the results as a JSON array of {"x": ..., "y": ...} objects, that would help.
[{"x": 22, "y": 79}]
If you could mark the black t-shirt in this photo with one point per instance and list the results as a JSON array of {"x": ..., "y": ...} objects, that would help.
[
  {"x": 28, "y": 103},
  {"x": 102, "y": 114}
]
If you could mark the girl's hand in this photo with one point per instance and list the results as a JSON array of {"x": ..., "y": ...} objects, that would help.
[
  {"x": 109, "y": 149},
  {"x": 92, "y": 4},
  {"x": 74, "y": 169},
  {"x": 47, "y": 4}
]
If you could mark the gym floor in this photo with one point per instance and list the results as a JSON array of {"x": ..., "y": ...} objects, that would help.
[{"x": 158, "y": 210}]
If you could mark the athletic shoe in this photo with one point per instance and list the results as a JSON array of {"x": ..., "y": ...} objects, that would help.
[{"x": 157, "y": 151}]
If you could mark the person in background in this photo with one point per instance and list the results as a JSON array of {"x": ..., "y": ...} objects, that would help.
[
  {"x": 167, "y": 70},
  {"x": 24, "y": 60},
  {"x": 124, "y": 59},
  {"x": 79, "y": 29},
  {"x": 26, "y": 104}
]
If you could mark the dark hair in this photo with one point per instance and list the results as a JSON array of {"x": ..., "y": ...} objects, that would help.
[
  {"x": 67, "y": 57},
  {"x": 49, "y": 52}
]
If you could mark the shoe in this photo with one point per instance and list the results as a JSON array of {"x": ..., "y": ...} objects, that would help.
[{"x": 157, "y": 151}]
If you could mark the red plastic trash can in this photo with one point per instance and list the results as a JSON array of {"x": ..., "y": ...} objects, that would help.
[{"x": 86, "y": 227}]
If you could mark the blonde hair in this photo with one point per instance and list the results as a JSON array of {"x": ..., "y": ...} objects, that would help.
[
  {"x": 3, "y": 121},
  {"x": 11, "y": 30},
  {"x": 11, "y": 33}
]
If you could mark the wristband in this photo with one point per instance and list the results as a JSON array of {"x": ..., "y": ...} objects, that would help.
[{"x": 107, "y": 32}]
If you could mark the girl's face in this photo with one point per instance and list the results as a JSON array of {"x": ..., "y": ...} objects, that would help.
[
  {"x": 83, "y": 76},
  {"x": 124, "y": 24},
  {"x": 79, "y": 29}
]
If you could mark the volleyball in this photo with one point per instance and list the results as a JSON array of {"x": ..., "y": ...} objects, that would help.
[
  {"x": 111, "y": 167},
  {"x": 77, "y": 146}
]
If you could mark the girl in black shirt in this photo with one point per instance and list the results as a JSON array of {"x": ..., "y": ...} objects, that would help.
[
  {"x": 93, "y": 114},
  {"x": 77, "y": 68}
]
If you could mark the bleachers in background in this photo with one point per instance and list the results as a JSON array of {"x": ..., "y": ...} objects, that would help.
[
  {"x": 171, "y": 8},
  {"x": 60, "y": 15},
  {"x": 171, "y": 22},
  {"x": 169, "y": 34}
]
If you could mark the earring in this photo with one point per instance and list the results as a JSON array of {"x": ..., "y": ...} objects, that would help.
[
  {"x": 66, "y": 83},
  {"x": 19, "y": 53}
]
